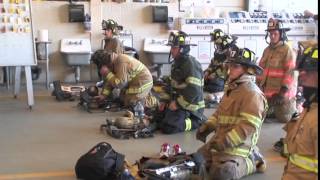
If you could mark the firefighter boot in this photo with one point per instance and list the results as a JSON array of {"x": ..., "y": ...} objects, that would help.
[
  {"x": 278, "y": 146},
  {"x": 260, "y": 162},
  {"x": 59, "y": 93}
]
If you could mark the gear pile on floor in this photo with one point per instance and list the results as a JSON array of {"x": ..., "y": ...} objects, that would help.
[
  {"x": 103, "y": 162},
  {"x": 126, "y": 126}
]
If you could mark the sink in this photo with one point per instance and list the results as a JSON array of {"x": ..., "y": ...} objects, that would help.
[
  {"x": 157, "y": 52},
  {"x": 76, "y": 53}
]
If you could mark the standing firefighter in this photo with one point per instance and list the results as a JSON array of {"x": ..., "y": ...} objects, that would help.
[
  {"x": 110, "y": 43},
  {"x": 278, "y": 81},
  {"x": 232, "y": 153},
  {"x": 182, "y": 110},
  {"x": 128, "y": 74},
  {"x": 215, "y": 74},
  {"x": 301, "y": 142},
  {"x": 111, "y": 40}
]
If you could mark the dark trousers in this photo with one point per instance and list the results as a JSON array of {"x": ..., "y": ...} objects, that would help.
[
  {"x": 175, "y": 121},
  {"x": 214, "y": 85}
]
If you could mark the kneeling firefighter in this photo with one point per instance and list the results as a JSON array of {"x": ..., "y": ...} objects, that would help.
[
  {"x": 130, "y": 76},
  {"x": 232, "y": 153},
  {"x": 216, "y": 73},
  {"x": 279, "y": 78},
  {"x": 182, "y": 109},
  {"x": 301, "y": 142}
]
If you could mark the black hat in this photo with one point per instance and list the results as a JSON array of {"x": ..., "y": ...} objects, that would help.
[
  {"x": 179, "y": 38},
  {"x": 247, "y": 58},
  {"x": 216, "y": 36},
  {"x": 308, "y": 61}
]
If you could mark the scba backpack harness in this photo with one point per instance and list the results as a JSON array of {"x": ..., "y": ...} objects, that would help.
[{"x": 102, "y": 162}]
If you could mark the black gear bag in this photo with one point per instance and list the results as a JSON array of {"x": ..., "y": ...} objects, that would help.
[{"x": 102, "y": 162}]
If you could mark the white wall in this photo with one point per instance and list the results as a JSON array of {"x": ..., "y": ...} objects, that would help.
[
  {"x": 291, "y": 5},
  {"x": 53, "y": 15}
]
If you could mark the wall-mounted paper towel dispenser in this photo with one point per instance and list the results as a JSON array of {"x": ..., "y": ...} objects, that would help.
[
  {"x": 76, "y": 12},
  {"x": 160, "y": 14}
]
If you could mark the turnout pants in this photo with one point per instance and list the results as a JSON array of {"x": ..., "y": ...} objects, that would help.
[
  {"x": 221, "y": 166},
  {"x": 293, "y": 172},
  {"x": 178, "y": 121},
  {"x": 145, "y": 97},
  {"x": 214, "y": 85},
  {"x": 282, "y": 112}
]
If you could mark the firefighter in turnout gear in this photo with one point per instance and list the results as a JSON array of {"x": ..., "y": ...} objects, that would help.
[
  {"x": 279, "y": 146},
  {"x": 301, "y": 141},
  {"x": 128, "y": 74},
  {"x": 232, "y": 151},
  {"x": 182, "y": 109},
  {"x": 215, "y": 74},
  {"x": 279, "y": 80},
  {"x": 111, "y": 41},
  {"x": 216, "y": 70}
]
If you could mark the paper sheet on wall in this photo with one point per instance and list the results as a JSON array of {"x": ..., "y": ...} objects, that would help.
[
  {"x": 204, "y": 51},
  {"x": 16, "y": 34}
]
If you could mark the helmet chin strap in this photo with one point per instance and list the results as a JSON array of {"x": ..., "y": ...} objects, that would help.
[
  {"x": 169, "y": 58},
  {"x": 266, "y": 38},
  {"x": 283, "y": 37},
  {"x": 234, "y": 78},
  {"x": 239, "y": 76},
  {"x": 229, "y": 90}
]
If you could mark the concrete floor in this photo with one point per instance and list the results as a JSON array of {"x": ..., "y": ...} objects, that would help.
[{"x": 46, "y": 142}]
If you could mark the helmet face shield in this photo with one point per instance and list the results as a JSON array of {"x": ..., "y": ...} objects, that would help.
[
  {"x": 104, "y": 25},
  {"x": 228, "y": 41},
  {"x": 216, "y": 36},
  {"x": 172, "y": 39},
  {"x": 179, "y": 39}
]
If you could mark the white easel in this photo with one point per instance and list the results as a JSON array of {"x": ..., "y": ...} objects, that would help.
[
  {"x": 17, "y": 82},
  {"x": 17, "y": 45}
]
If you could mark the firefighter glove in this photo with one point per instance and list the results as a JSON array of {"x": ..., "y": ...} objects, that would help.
[{"x": 202, "y": 133}]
